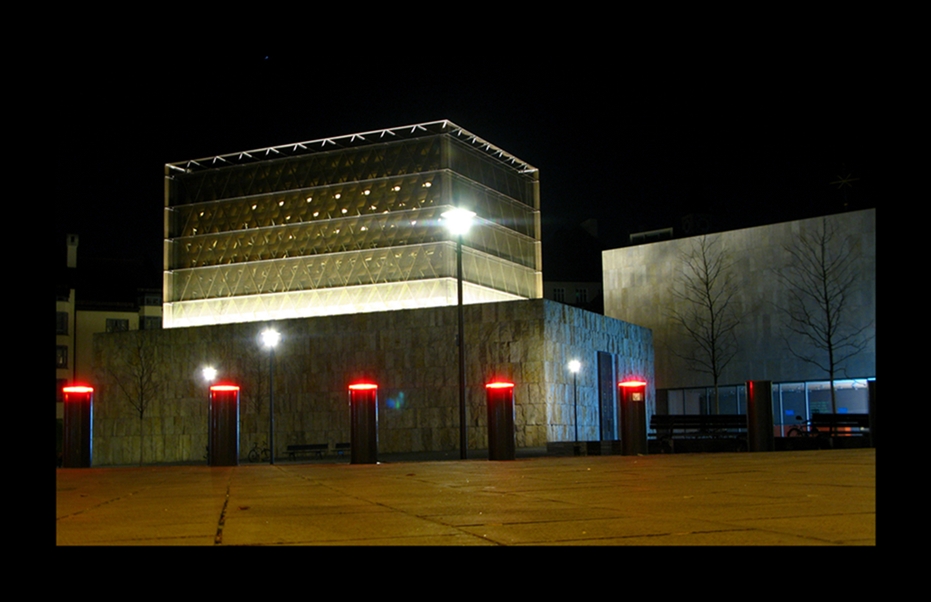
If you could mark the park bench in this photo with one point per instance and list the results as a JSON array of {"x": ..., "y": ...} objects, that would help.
[
  {"x": 713, "y": 428},
  {"x": 318, "y": 449},
  {"x": 843, "y": 424}
]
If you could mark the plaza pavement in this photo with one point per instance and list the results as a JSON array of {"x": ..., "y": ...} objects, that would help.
[{"x": 823, "y": 497}]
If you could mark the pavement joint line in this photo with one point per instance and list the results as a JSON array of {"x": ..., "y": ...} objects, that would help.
[
  {"x": 424, "y": 517},
  {"x": 218, "y": 538},
  {"x": 100, "y": 505}
]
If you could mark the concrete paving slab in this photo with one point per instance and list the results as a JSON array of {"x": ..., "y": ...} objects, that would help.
[{"x": 823, "y": 497}]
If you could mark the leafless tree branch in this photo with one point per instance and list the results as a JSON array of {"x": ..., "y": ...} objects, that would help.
[
  {"x": 706, "y": 312},
  {"x": 819, "y": 279},
  {"x": 136, "y": 376}
]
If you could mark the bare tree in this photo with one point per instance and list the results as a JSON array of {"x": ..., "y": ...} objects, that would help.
[
  {"x": 136, "y": 376},
  {"x": 819, "y": 281},
  {"x": 706, "y": 310}
]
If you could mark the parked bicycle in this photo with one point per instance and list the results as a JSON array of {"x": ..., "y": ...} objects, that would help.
[
  {"x": 804, "y": 429},
  {"x": 257, "y": 454}
]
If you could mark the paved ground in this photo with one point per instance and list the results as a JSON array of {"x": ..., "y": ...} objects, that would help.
[{"x": 825, "y": 497}]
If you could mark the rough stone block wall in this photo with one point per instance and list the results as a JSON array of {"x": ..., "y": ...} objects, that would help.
[{"x": 410, "y": 354}]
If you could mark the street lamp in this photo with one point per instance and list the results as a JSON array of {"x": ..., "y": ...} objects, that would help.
[
  {"x": 210, "y": 374},
  {"x": 458, "y": 222},
  {"x": 270, "y": 338},
  {"x": 574, "y": 367}
]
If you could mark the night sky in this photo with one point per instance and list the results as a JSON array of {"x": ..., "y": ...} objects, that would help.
[{"x": 634, "y": 140}]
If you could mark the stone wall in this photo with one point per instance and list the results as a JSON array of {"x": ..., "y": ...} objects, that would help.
[{"x": 411, "y": 354}]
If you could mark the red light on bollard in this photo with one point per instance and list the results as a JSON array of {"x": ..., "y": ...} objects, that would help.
[
  {"x": 77, "y": 389},
  {"x": 499, "y": 385},
  {"x": 632, "y": 383},
  {"x": 363, "y": 387},
  {"x": 226, "y": 388}
]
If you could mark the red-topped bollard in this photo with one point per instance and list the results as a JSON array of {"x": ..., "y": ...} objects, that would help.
[
  {"x": 633, "y": 417},
  {"x": 78, "y": 436},
  {"x": 363, "y": 404},
  {"x": 500, "y": 400},
  {"x": 760, "y": 434},
  {"x": 223, "y": 431}
]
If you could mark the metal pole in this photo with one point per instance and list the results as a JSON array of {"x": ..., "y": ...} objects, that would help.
[
  {"x": 575, "y": 404},
  {"x": 463, "y": 442},
  {"x": 271, "y": 406}
]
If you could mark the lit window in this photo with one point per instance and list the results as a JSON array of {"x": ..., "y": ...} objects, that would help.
[
  {"x": 61, "y": 356},
  {"x": 62, "y": 323}
]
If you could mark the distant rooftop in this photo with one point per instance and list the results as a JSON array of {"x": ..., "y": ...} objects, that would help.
[{"x": 355, "y": 140}]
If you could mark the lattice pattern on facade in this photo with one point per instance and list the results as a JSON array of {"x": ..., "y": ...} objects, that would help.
[
  {"x": 348, "y": 217},
  {"x": 326, "y": 302}
]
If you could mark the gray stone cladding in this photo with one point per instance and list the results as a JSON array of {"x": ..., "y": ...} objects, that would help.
[
  {"x": 410, "y": 354},
  {"x": 639, "y": 282}
]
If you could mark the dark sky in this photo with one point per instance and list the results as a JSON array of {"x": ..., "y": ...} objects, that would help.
[{"x": 633, "y": 139}]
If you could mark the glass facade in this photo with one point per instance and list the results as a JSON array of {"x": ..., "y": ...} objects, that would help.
[
  {"x": 347, "y": 225},
  {"x": 793, "y": 403}
]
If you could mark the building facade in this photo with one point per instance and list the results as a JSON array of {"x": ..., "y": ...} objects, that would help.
[
  {"x": 351, "y": 224},
  {"x": 410, "y": 354},
  {"x": 643, "y": 285}
]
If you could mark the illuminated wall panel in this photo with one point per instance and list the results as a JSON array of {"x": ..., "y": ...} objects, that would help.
[{"x": 361, "y": 212}]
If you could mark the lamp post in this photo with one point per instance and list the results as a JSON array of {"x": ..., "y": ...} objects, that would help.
[
  {"x": 210, "y": 374},
  {"x": 270, "y": 338},
  {"x": 458, "y": 221},
  {"x": 574, "y": 367}
]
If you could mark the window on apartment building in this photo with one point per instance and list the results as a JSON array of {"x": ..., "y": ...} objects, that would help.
[
  {"x": 559, "y": 294},
  {"x": 151, "y": 323},
  {"x": 61, "y": 356},
  {"x": 581, "y": 295},
  {"x": 117, "y": 325},
  {"x": 61, "y": 326}
]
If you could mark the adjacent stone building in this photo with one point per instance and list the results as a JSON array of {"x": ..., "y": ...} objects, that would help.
[{"x": 641, "y": 285}]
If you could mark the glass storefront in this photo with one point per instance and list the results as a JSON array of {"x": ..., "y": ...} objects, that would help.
[{"x": 793, "y": 403}]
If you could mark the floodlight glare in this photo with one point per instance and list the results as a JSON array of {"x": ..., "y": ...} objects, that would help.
[
  {"x": 458, "y": 221},
  {"x": 270, "y": 338}
]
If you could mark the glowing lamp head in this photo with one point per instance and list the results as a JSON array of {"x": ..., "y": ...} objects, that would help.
[
  {"x": 270, "y": 338},
  {"x": 575, "y": 366},
  {"x": 210, "y": 374},
  {"x": 458, "y": 221}
]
